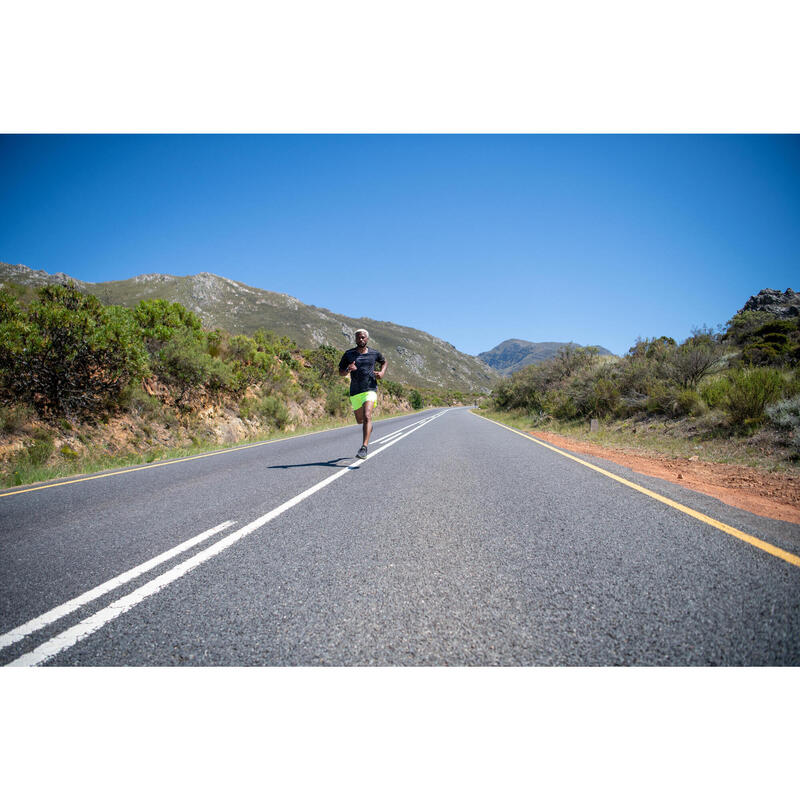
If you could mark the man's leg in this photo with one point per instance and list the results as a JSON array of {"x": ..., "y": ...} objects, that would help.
[{"x": 366, "y": 422}]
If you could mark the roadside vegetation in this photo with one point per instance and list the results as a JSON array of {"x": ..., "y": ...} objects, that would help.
[
  {"x": 729, "y": 395},
  {"x": 87, "y": 386}
]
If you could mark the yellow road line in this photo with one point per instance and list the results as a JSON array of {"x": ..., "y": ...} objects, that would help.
[{"x": 791, "y": 558}]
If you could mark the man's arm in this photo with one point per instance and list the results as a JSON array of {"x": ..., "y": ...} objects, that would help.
[
  {"x": 344, "y": 367},
  {"x": 379, "y": 374}
]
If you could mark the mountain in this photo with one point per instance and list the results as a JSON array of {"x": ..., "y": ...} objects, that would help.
[
  {"x": 514, "y": 354},
  {"x": 414, "y": 357}
]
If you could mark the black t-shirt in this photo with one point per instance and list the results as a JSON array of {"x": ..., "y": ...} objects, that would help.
[{"x": 362, "y": 379}]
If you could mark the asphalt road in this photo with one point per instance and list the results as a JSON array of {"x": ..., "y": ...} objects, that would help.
[{"x": 458, "y": 542}]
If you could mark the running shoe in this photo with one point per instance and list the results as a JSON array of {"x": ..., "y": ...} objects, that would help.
[{"x": 362, "y": 453}]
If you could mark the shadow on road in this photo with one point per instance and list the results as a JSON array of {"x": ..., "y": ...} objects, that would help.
[{"x": 332, "y": 463}]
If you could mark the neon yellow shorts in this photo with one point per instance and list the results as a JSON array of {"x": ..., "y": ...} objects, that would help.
[{"x": 358, "y": 400}]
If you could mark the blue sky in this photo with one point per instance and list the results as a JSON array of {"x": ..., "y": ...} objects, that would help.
[{"x": 596, "y": 239}]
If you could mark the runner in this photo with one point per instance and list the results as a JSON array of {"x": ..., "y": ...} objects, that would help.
[{"x": 359, "y": 362}]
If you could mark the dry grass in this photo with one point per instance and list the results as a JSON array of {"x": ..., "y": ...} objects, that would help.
[{"x": 763, "y": 449}]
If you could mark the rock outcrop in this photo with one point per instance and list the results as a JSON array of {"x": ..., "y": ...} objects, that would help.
[{"x": 780, "y": 304}]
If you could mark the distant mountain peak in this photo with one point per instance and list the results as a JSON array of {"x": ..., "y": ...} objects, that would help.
[{"x": 514, "y": 354}]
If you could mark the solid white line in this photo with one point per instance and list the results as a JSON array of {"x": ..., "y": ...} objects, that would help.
[
  {"x": 13, "y": 636},
  {"x": 91, "y": 624}
]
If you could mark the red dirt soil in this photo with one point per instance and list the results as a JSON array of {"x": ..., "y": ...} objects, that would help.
[{"x": 768, "y": 494}]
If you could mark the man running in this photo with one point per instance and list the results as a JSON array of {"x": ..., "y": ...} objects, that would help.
[{"x": 359, "y": 362}]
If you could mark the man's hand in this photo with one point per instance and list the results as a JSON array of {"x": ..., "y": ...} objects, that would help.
[
  {"x": 379, "y": 374},
  {"x": 351, "y": 367}
]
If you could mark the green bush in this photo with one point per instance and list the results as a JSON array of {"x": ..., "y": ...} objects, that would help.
[
  {"x": 184, "y": 362},
  {"x": 559, "y": 404},
  {"x": 242, "y": 348},
  {"x": 605, "y": 398},
  {"x": 67, "y": 353},
  {"x": 393, "y": 389},
  {"x": 270, "y": 409},
  {"x": 695, "y": 358},
  {"x": 159, "y": 320},
  {"x": 751, "y": 391},
  {"x": 774, "y": 343},
  {"x": 276, "y": 410},
  {"x": 715, "y": 392},
  {"x": 689, "y": 403},
  {"x": 336, "y": 400},
  {"x": 325, "y": 360},
  {"x": 662, "y": 398},
  {"x": 415, "y": 398}
]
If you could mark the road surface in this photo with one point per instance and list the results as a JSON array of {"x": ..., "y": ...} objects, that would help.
[{"x": 457, "y": 542}]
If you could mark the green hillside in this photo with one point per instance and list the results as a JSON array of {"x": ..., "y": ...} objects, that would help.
[{"x": 414, "y": 357}]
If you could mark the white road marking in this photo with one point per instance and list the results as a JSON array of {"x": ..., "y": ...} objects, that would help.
[
  {"x": 399, "y": 430},
  {"x": 93, "y": 623},
  {"x": 13, "y": 636}
]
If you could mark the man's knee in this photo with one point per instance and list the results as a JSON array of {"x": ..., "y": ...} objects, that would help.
[{"x": 367, "y": 409}]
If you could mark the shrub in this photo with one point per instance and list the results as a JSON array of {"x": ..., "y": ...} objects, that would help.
[
  {"x": 184, "y": 362},
  {"x": 415, "y": 398},
  {"x": 325, "y": 360},
  {"x": 560, "y": 405},
  {"x": 275, "y": 410},
  {"x": 159, "y": 320},
  {"x": 68, "y": 353},
  {"x": 336, "y": 400},
  {"x": 694, "y": 359},
  {"x": 571, "y": 359},
  {"x": 393, "y": 389},
  {"x": 270, "y": 409},
  {"x": 605, "y": 397},
  {"x": 744, "y": 324},
  {"x": 751, "y": 390},
  {"x": 715, "y": 392},
  {"x": 689, "y": 403},
  {"x": 69, "y": 453},
  {"x": 774, "y": 343},
  {"x": 785, "y": 415},
  {"x": 241, "y": 348}
]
